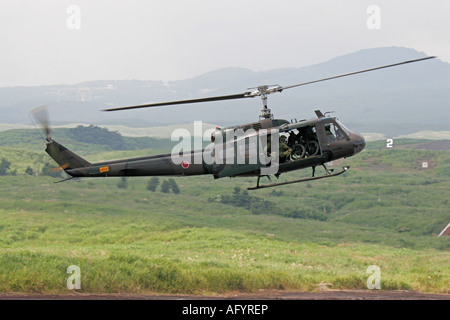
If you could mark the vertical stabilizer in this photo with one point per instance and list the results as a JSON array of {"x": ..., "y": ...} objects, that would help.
[{"x": 64, "y": 157}]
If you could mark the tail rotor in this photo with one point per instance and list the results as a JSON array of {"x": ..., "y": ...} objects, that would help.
[
  {"x": 40, "y": 114},
  {"x": 66, "y": 159}
]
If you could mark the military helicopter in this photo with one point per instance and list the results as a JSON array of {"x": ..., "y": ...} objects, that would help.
[{"x": 267, "y": 147}]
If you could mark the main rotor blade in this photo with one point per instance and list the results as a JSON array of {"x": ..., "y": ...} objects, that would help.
[
  {"x": 352, "y": 73},
  {"x": 261, "y": 91},
  {"x": 218, "y": 98}
]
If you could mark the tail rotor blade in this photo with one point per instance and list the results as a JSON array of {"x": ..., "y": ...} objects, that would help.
[{"x": 40, "y": 114}]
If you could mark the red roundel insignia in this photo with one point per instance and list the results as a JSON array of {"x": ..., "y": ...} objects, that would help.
[{"x": 185, "y": 164}]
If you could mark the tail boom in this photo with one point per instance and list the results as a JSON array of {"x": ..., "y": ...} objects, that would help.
[{"x": 159, "y": 165}]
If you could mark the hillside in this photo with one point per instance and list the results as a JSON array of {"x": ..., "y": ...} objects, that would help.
[
  {"x": 386, "y": 210},
  {"x": 381, "y": 181}
]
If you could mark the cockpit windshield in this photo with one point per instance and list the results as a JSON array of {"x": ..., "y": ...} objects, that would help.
[
  {"x": 344, "y": 128},
  {"x": 335, "y": 131}
]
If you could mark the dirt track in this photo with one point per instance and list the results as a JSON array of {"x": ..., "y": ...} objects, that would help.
[
  {"x": 262, "y": 295},
  {"x": 433, "y": 145}
]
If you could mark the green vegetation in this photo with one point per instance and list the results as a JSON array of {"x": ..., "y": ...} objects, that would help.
[
  {"x": 97, "y": 135},
  {"x": 215, "y": 236},
  {"x": 173, "y": 186},
  {"x": 85, "y": 140},
  {"x": 153, "y": 184},
  {"x": 4, "y": 167},
  {"x": 256, "y": 205},
  {"x": 123, "y": 183}
]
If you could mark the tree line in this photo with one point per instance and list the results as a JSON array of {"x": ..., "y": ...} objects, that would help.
[
  {"x": 165, "y": 186},
  {"x": 257, "y": 205},
  {"x": 47, "y": 170}
]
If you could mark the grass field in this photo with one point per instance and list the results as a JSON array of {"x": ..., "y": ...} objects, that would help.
[{"x": 386, "y": 211}]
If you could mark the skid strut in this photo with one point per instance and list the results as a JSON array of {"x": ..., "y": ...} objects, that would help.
[{"x": 328, "y": 175}]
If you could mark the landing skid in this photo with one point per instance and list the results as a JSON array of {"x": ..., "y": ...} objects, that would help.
[{"x": 327, "y": 175}]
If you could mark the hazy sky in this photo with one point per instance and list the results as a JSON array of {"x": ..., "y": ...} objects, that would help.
[{"x": 66, "y": 42}]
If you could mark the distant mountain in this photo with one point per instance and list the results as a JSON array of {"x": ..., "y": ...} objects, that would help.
[{"x": 394, "y": 101}]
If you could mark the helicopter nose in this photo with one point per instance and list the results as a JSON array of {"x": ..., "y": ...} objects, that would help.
[{"x": 359, "y": 143}]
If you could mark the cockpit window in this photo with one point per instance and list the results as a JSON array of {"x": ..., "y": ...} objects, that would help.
[
  {"x": 343, "y": 127},
  {"x": 334, "y": 132}
]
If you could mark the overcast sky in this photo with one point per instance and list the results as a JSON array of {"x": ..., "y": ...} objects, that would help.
[{"x": 66, "y": 42}]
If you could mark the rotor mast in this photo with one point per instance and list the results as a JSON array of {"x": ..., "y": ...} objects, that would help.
[
  {"x": 263, "y": 91},
  {"x": 265, "y": 112}
]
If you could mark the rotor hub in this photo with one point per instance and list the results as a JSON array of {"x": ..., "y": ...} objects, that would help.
[{"x": 263, "y": 91}]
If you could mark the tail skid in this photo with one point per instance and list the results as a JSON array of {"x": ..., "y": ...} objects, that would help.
[{"x": 67, "y": 179}]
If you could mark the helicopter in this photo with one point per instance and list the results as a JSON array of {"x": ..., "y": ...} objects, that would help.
[{"x": 265, "y": 148}]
